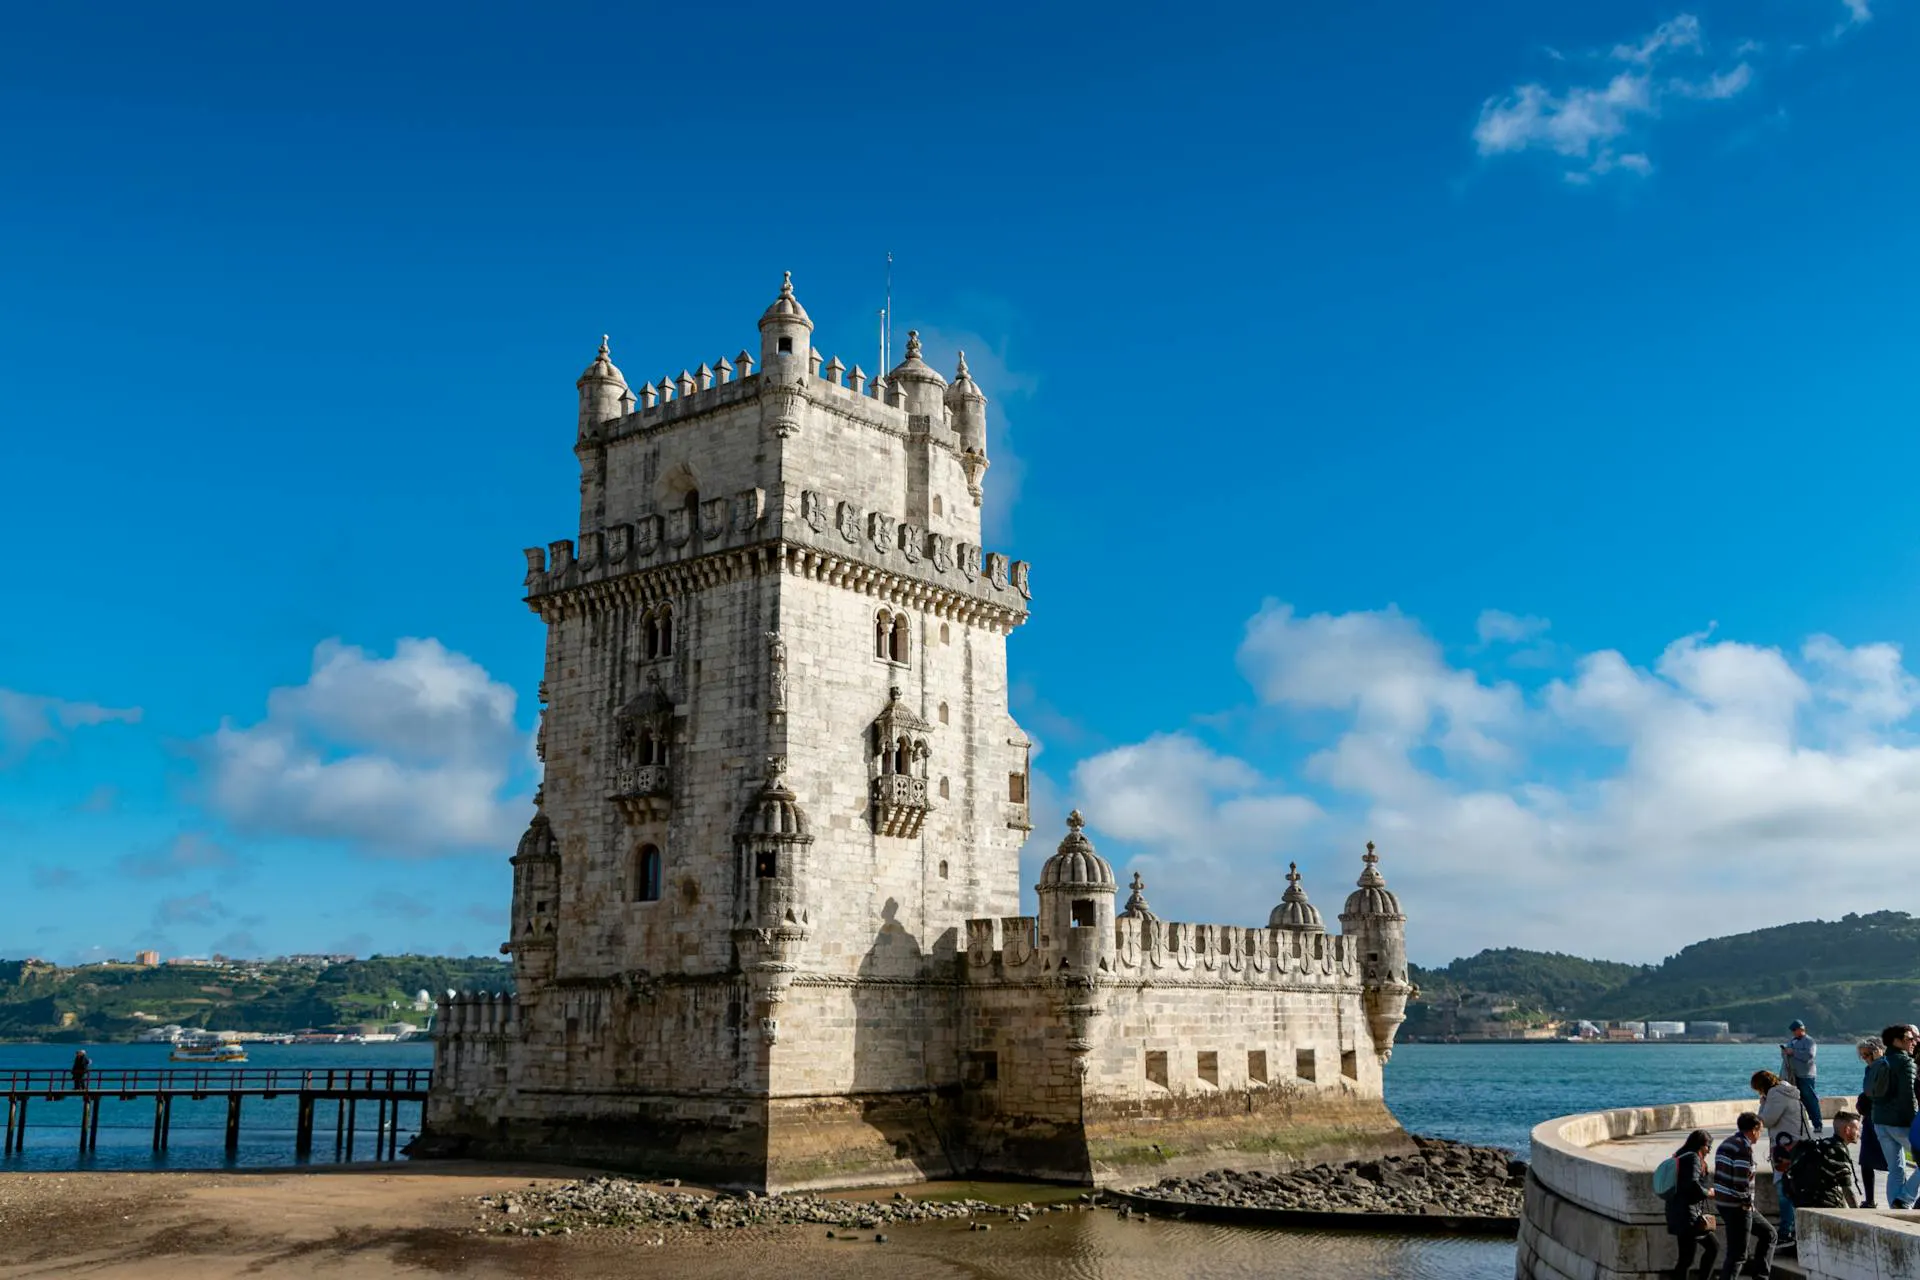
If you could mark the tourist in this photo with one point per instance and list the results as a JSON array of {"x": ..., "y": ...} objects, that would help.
[
  {"x": 1887, "y": 1091},
  {"x": 1733, "y": 1197},
  {"x": 1890, "y": 1091},
  {"x": 1872, "y": 1158},
  {"x": 1822, "y": 1174},
  {"x": 81, "y": 1065},
  {"x": 1797, "y": 1067},
  {"x": 1785, "y": 1116},
  {"x": 1688, "y": 1221}
]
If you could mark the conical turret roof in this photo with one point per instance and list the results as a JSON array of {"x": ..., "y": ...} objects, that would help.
[{"x": 1294, "y": 911}]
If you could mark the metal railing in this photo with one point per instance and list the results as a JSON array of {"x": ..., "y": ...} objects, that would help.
[{"x": 128, "y": 1082}]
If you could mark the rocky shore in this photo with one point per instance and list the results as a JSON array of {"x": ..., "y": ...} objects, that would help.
[
  {"x": 1441, "y": 1178},
  {"x": 620, "y": 1203}
]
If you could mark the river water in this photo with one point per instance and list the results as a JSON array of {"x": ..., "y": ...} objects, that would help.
[{"x": 1487, "y": 1094}]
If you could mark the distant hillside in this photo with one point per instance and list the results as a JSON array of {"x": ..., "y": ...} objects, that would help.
[
  {"x": 1831, "y": 973},
  {"x": 98, "y": 1002}
]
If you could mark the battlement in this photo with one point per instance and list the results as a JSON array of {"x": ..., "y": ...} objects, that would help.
[
  {"x": 849, "y": 392},
  {"x": 476, "y": 1014},
  {"x": 1172, "y": 951},
  {"x": 833, "y": 538}
]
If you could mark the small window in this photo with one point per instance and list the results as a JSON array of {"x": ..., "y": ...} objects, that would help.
[
  {"x": 1083, "y": 917},
  {"x": 943, "y": 868},
  {"x": 946, "y": 637},
  {"x": 658, "y": 639},
  {"x": 1303, "y": 1064},
  {"x": 898, "y": 650},
  {"x": 983, "y": 1067},
  {"x": 939, "y": 507},
  {"x": 786, "y": 346},
  {"x": 943, "y": 713},
  {"x": 943, "y": 790},
  {"x": 1209, "y": 1067},
  {"x": 882, "y": 633},
  {"x": 1017, "y": 787},
  {"x": 766, "y": 864},
  {"x": 1257, "y": 1065},
  {"x": 1157, "y": 1067},
  {"x": 1349, "y": 1064},
  {"x": 541, "y": 905},
  {"x": 646, "y": 874}
]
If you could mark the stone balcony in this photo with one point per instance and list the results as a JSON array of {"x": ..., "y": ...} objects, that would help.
[
  {"x": 899, "y": 804},
  {"x": 643, "y": 792}
]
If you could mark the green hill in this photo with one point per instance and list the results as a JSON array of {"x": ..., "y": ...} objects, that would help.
[
  {"x": 1831, "y": 973},
  {"x": 116, "y": 1001}
]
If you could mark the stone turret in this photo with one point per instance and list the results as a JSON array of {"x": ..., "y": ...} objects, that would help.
[
  {"x": 1076, "y": 905},
  {"x": 536, "y": 905},
  {"x": 786, "y": 331},
  {"x": 1294, "y": 911},
  {"x": 1137, "y": 908},
  {"x": 919, "y": 388},
  {"x": 770, "y": 841},
  {"x": 967, "y": 406},
  {"x": 603, "y": 391},
  {"x": 1373, "y": 920}
]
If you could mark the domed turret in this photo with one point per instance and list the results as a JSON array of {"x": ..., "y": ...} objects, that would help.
[
  {"x": 603, "y": 391},
  {"x": 786, "y": 331},
  {"x": 1076, "y": 905},
  {"x": 1377, "y": 930},
  {"x": 1075, "y": 865},
  {"x": 922, "y": 389},
  {"x": 536, "y": 904},
  {"x": 1294, "y": 911},
  {"x": 1372, "y": 898},
  {"x": 967, "y": 409}
]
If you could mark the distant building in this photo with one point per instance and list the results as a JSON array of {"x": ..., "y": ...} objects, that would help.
[
  {"x": 1661, "y": 1030},
  {"x": 150, "y": 959},
  {"x": 1709, "y": 1030}
]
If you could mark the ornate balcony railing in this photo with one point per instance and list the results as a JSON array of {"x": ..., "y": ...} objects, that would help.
[
  {"x": 642, "y": 792},
  {"x": 899, "y": 804}
]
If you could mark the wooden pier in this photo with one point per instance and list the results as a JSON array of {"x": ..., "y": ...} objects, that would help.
[{"x": 346, "y": 1088}]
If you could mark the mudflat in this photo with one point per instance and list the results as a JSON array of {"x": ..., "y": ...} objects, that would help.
[{"x": 344, "y": 1224}]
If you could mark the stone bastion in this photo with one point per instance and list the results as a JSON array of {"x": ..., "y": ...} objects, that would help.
[{"x": 1591, "y": 1214}]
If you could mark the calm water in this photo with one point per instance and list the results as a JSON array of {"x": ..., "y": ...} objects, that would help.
[{"x": 1490, "y": 1094}]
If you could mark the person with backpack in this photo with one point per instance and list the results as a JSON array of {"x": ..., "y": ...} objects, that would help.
[
  {"x": 1733, "y": 1197},
  {"x": 1784, "y": 1114},
  {"x": 1890, "y": 1085},
  {"x": 1821, "y": 1175},
  {"x": 1682, "y": 1182}
]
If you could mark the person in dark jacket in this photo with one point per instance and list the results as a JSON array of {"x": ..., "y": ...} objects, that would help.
[
  {"x": 1890, "y": 1084},
  {"x": 1689, "y": 1220},
  {"x": 1872, "y": 1159},
  {"x": 1822, "y": 1171},
  {"x": 1733, "y": 1197},
  {"x": 81, "y": 1065}
]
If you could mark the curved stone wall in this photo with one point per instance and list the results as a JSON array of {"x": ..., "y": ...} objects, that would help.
[{"x": 1590, "y": 1211}]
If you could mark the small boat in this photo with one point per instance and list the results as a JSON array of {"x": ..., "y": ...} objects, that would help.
[{"x": 209, "y": 1051}]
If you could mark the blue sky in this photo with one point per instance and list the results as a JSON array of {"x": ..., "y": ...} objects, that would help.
[{"x": 1485, "y": 429}]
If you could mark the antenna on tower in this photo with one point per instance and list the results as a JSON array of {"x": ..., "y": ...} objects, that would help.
[{"x": 886, "y": 322}]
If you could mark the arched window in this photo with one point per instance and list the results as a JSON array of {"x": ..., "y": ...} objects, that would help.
[
  {"x": 943, "y": 789},
  {"x": 897, "y": 650},
  {"x": 902, "y": 757},
  {"x": 653, "y": 748},
  {"x": 692, "y": 503},
  {"x": 939, "y": 508},
  {"x": 943, "y": 868},
  {"x": 657, "y": 633},
  {"x": 945, "y": 636},
  {"x": 943, "y": 713},
  {"x": 882, "y": 634},
  {"x": 646, "y": 874}
]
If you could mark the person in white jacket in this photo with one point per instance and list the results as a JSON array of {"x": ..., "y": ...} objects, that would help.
[{"x": 1784, "y": 1113}]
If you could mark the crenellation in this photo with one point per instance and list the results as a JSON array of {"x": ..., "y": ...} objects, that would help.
[{"x": 766, "y": 918}]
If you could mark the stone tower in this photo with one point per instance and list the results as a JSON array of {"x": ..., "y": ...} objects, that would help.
[{"x": 780, "y": 769}]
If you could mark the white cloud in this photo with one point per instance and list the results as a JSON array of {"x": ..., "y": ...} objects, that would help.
[
  {"x": 1597, "y": 125},
  {"x": 1682, "y": 32},
  {"x": 1858, "y": 11},
  {"x": 1497, "y": 626},
  {"x": 1725, "y": 786},
  {"x": 1173, "y": 797},
  {"x": 27, "y": 720},
  {"x": 410, "y": 755},
  {"x": 187, "y": 853}
]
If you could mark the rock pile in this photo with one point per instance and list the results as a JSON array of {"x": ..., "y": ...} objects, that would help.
[
  {"x": 618, "y": 1202},
  {"x": 1442, "y": 1177}
]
